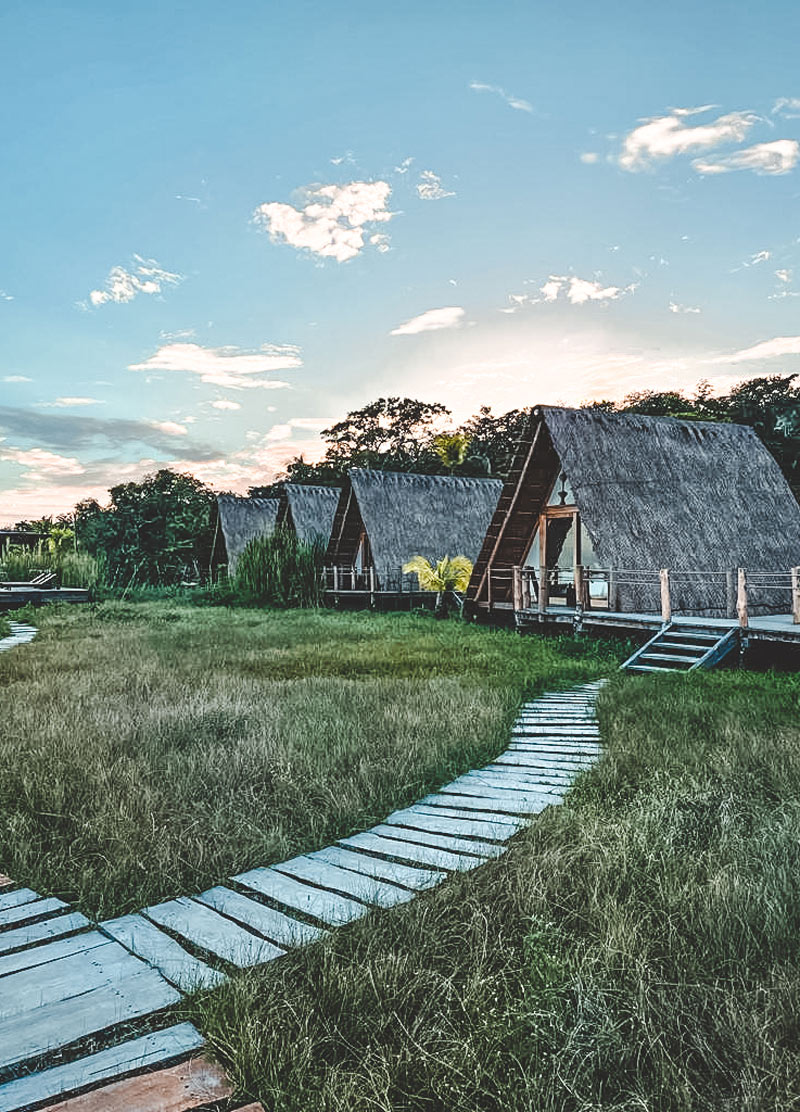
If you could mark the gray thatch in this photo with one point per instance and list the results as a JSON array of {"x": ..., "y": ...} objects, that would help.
[
  {"x": 242, "y": 520},
  {"x": 309, "y": 510},
  {"x": 656, "y": 492},
  {"x": 405, "y": 515}
]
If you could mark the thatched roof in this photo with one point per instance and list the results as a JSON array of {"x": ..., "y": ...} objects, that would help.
[
  {"x": 242, "y": 520},
  {"x": 654, "y": 492},
  {"x": 309, "y": 510},
  {"x": 405, "y": 515}
]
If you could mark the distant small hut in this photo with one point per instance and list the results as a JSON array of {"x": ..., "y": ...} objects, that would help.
[
  {"x": 242, "y": 520},
  {"x": 385, "y": 517},
  {"x": 308, "y": 510},
  {"x": 600, "y": 507},
  {"x": 21, "y": 538}
]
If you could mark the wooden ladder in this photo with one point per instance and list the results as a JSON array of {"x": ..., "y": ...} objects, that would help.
[{"x": 683, "y": 648}]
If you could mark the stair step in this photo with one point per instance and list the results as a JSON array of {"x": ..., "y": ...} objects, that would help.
[
  {"x": 648, "y": 668},
  {"x": 699, "y": 649},
  {"x": 690, "y": 635},
  {"x": 668, "y": 656}
]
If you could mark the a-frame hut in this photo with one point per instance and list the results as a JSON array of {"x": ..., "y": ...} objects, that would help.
[
  {"x": 385, "y": 517},
  {"x": 242, "y": 520},
  {"x": 603, "y": 509},
  {"x": 308, "y": 510}
]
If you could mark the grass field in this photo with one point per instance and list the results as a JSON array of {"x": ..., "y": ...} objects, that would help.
[
  {"x": 637, "y": 951},
  {"x": 149, "y": 750}
]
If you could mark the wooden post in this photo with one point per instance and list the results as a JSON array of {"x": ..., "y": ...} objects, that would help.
[
  {"x": 371, "y": 585},
  {"x": 580, "y": 584},
  {"x": 526, "y": 588},
  {"x": 730, "y": 592},
  {"x": 796, "y": 596},
  {"x": 612, "y": 591},
  {"x": 741, "y": 596},
  {"x": 516, "y": 587},
  {"x": 544, "y": 590},
  {"x": 666, "y": 599},
  {"x": 335, "y": 577}
]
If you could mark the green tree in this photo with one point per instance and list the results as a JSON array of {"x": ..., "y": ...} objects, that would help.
[{"x": 157, "y": 531}]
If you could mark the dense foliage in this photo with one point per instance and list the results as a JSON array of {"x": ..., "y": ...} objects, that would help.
[{"x": 158, "y": 531}]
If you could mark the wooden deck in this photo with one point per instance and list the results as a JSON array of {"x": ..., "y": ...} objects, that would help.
[
  {"x": 11, "y": 598},
  {"x": 771, "y": 627}
]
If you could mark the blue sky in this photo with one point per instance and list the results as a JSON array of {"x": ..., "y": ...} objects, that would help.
[{"x": 225, "y": 225}]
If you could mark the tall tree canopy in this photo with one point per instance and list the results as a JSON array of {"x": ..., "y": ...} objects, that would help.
[{"x": 160, "y": 530}]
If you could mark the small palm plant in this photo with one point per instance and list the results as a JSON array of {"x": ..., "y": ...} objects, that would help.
[
  {"x": 451, "y": 448},
  {"x": 444, "y": 577}
]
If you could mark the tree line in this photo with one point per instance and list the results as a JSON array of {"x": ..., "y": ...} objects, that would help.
[{"x": 165, "y": 529}]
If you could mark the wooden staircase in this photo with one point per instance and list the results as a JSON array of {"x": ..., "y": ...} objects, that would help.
[{"x": 683, "y": 648}]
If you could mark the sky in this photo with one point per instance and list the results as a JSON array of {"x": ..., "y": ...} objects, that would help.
[{"x": 225, "y": 225}]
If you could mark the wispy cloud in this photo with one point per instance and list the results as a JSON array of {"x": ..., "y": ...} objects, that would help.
[
  {"x": 663, "y": 137},
  {"x": 226, "y": 366},
  {"x": 511, "y": 100},
  {"x": 224, "y": 403},
  {"x": 778, "y": 157},
  {"x": 41, "y": 463},
  {"x": 589, "y": 157},
  {"x": 6, "y": 296},
  {"x": 77, "y": 432},
  {"x": 146, "y": 276},
  {"x": 767, "y": 349},
  {"x": 17, "y": 378},
  {"x": 430, "y": 187},
  {"x": 788, "y": 107},
  {"x": 332, "y": 221},
  {"x": 431, "y": 321},
  {"x": 70, "y": 403}
]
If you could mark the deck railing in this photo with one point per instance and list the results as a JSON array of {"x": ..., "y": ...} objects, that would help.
[
  {"x": 732, "y": 591},
  {"x": 346, "y": 579}
]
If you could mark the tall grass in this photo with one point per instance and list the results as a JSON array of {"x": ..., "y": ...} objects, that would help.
[
  {"x": 148, "y": 750},
  {"x": 281, "y": 570},
  {"x": 638, "y": 950},
  {"x": 74, "y": 569}
]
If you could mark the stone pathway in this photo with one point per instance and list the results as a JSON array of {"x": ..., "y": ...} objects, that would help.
[{"x": 72, "y": 992}]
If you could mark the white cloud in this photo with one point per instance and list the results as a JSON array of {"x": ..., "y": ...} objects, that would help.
[
  {"x": 17, "y": 378},
  {"x": 767, "y": 349},
  {"x": 663, "y": 137},
  {"x": 381, "y": 241},
  {"x": 404, "y": 166},
  {"x": 674, "y": 307},
  {"x": 430, "y": 187},
  {"x": 589, "y": 157},
  {"x": 226, "y": 366},
  {"x": 223, "y": 403},
  {"x": 778, "y": 157},
  {"x": 42, "y": 464},
  {"x": 123, "y": 285},
  {"x": 788, "y": 107},
  {"x": 758, "y": 257},
  {"x": 332, "y": 222},
  {"x": 431, "y": 321},
  {"x": 171, "y": 428},
  {"x": 580, "y": 290},
  {"x": 512, "y": 101},
  {"x": 5, "y": 296},
  {"x": 783, "y": 275},
  {"x": 70, "y": 403}
]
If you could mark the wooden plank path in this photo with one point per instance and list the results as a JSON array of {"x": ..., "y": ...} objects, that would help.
[{"x": 69, "y": 989}]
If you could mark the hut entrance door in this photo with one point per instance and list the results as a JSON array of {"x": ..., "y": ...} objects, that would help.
[{"x": 559, "y": 552}]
